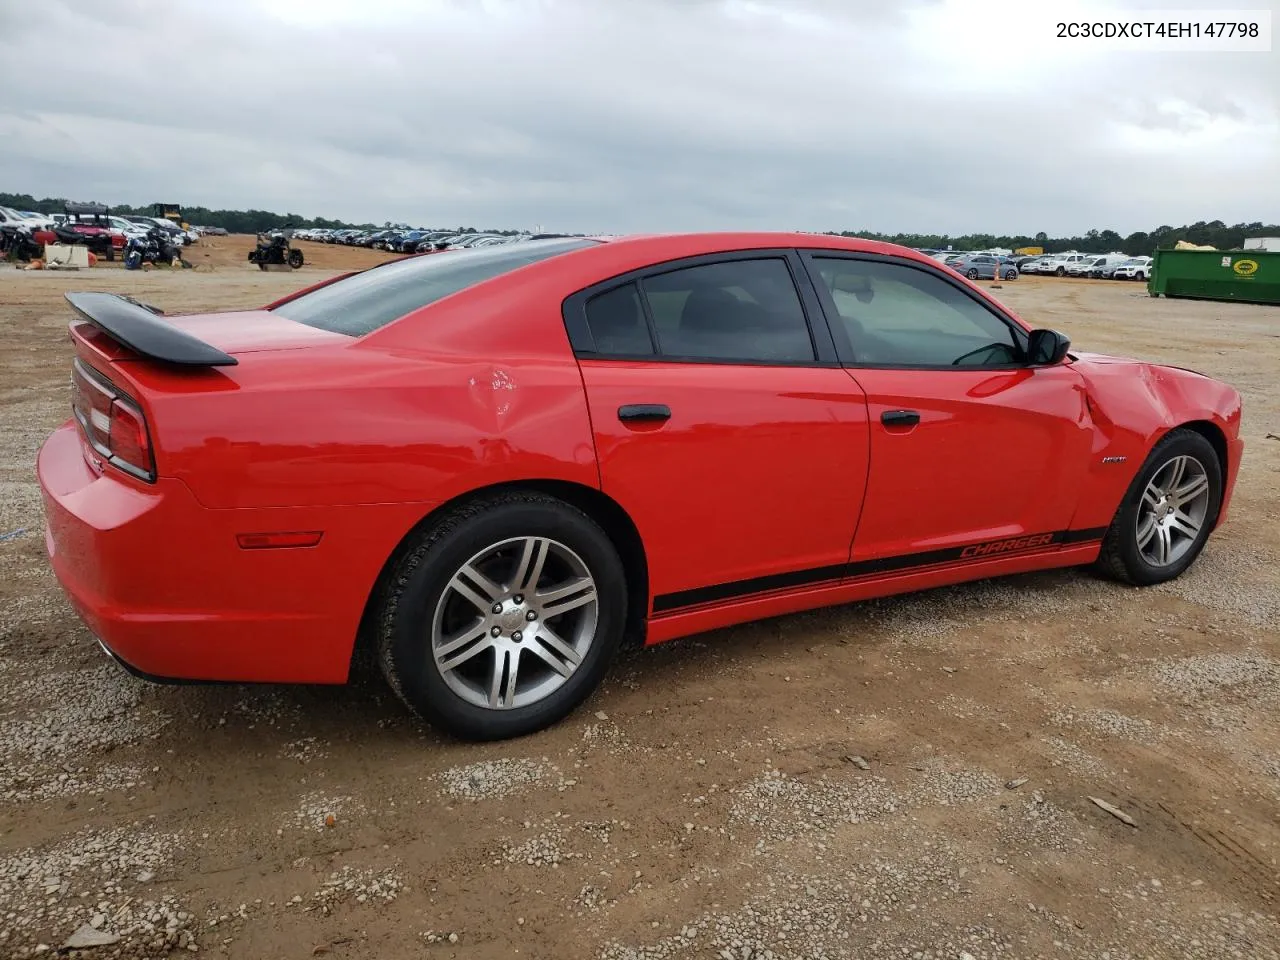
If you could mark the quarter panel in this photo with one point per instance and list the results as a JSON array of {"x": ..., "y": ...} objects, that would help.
[{"x": 336, "y": 426}]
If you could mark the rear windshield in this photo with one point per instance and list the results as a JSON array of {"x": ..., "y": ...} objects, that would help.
[{"x": 362, "y": 303}]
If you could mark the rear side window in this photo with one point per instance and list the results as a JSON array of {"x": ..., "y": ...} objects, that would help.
[
  {"x": 734, "y": 310},
  {"x": 362, "y": 303},
  {"x": 617, "y": 323}
]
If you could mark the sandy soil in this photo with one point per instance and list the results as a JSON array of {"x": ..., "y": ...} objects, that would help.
[{"x": 907, "y": 778}]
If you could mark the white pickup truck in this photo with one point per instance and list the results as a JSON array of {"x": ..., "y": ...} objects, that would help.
[
  {"x": 1135, "y": 268},
  {"x": 1059, "y": 262}
]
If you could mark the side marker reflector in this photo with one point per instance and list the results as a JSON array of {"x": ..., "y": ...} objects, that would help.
[{"x": 271, "y": 541}]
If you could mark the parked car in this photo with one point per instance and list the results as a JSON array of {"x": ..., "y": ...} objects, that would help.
[
  {"x": 495, "y": 546},
  {"x": 983, "y": 266},
  {"x": 37, "y": 221},
  {"x": 1090, "y": 263},
  {"x": 10, "y": 217},
  {"x": 1082, "y": 266},
  {"x": 411, "y": 240},
  {"x": 434, "y": 242},
  {"x": 127, "y": 227},
  {"x": 1103, "y": 270},
  {"x": 21, "y": 218},
  {"x": 1059, "y": 262},
  {"x": 1135, "y": 268}
]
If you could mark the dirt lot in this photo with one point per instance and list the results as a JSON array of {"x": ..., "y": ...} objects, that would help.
[{"x": 835, "y": 784}]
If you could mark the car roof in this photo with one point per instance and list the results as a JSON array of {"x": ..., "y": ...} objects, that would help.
[
  {"x": 693, "y": 244},
  {"x": 449, "y": 323}
]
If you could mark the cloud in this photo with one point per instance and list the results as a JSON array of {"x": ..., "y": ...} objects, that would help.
[{"x": 633, "y": 115}]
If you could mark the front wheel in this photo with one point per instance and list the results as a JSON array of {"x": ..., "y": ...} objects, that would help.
[
  {"x": 1011, "y": 274},
  {"x": 502, "y": 616},
  {"x": 972, "y": 274},
  {"x": 1060, "y": 272},
  {"x": 295, "y": 258},
  {"x": 1167, "y": 513}
]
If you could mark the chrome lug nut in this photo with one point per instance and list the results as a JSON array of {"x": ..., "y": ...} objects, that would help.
[
  {"x": 497, "y": 608},
  {"x": 531, "y": 615},
  {"x": 495, "y": 632},
  {"x": 517, "y": 636}
]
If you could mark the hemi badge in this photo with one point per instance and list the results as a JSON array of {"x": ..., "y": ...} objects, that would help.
[
  {"x": 275, "y": 541},
  {"x": 1114, "y": 459}
]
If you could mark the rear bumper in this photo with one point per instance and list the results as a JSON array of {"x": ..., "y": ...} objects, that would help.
[{"x": 162, "y": 582}]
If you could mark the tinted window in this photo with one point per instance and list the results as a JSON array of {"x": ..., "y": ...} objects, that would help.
[
  {"x": 897, "y": 315},
  {"x": 735, "y": 310},
  {"x": 369, "y": 300},
  {"x": 617, "y": 323}
]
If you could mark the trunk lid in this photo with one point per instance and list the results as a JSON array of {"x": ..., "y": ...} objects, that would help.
[{"x": 253, "y": 331}]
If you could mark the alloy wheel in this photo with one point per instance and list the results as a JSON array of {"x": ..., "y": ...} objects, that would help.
[
  {"x": 1173, "y": 511},
  {"x": 514, "y": 623}
]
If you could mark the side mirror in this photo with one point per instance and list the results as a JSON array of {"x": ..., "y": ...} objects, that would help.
[{"x": 1047, "y": 347}]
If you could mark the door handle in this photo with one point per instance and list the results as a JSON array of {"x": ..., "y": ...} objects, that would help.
[
  {"x": 631, "y": 412},
  {"x": 900, "y": 418}
]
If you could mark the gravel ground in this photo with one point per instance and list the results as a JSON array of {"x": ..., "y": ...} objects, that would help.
[{"x": 907, "y": 778}]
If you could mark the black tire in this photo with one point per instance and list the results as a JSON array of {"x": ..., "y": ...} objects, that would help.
[
  {"x": 1061, "y": 271},
  {"x": 1011, "y": 275},
  {"x": 972, "y": 274},
  {"x": 1120, "y": 557},
  {"x": 420, "y": 579},
  {"x": 295, "y": 258}
]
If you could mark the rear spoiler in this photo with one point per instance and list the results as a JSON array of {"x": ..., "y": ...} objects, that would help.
[{"x": 144, "y": 332}]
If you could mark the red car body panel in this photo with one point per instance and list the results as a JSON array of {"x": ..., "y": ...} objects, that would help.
[
  {"x": 162, "y": 581},
  {"x": 997, "y": 454},
  {"x": 770, "y": 490},
  {"x": 1132, "y": 405},
  {"x": 752, "y": 426}
]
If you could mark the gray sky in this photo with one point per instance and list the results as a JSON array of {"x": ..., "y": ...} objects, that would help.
[{"x": 636, "y": 115}]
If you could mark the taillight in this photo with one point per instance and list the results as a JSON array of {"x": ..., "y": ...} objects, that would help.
[
  {"x": 129, "y": 441},
  {"x": 113, "y": 425}
]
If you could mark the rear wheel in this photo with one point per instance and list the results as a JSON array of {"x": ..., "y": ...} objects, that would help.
[
  {"x": 503, "y": 616},
  {"x": 1167, "y": 513},
  {"x": 1011, "y": 274},
  {"x": 295, "y": 258},
  {"x": 1060, "y": 271}
]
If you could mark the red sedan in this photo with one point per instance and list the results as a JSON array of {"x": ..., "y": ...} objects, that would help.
[{"x": 491, "y": 466}]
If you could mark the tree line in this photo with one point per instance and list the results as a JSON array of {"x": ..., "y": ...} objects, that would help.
[
  {"x": 233, "y": 221},
  {"x": 1215, "y": 233}
]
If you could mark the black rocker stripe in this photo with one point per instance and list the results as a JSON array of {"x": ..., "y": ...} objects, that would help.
[{"x": 715, "y": 592}]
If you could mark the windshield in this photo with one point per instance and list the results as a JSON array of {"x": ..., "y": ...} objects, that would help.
[{"x": 366, "y": 301}]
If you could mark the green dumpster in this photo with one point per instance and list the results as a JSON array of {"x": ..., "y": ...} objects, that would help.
[{"x": 1250, "y": 276}]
